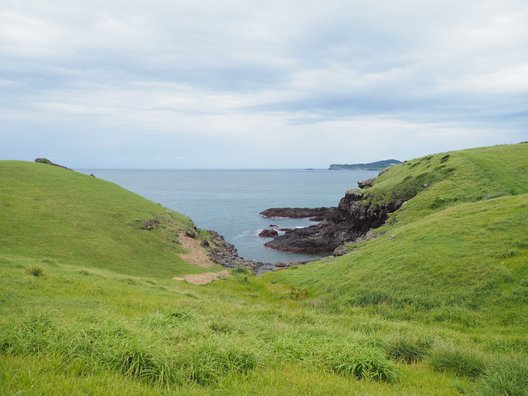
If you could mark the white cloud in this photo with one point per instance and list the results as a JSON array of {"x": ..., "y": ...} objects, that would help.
[{"x": 367, "y": 74}]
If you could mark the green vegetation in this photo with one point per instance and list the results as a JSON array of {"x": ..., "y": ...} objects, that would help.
[
  {"x": 436, "y": 304},
  {"x": 67, "y": 217}
]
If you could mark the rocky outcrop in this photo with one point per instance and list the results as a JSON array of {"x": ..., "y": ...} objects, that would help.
[
  {"x": 315, "y": 214},
  {"x": 365, "y": 183},
  {"x": 268, "y": 233},
  {"x": 150, "y": 224},
  {"x": 354, "y": 217},
  {"x": 48, "y": 162},
  {"x": 340, "y": 250},
  {"x": 226, "y": 254}
]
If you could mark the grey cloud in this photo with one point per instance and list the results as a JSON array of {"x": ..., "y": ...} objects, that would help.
[{"x": 246, "y": 71}]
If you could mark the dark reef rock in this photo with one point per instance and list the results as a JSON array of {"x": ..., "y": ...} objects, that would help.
[
  {"x": 299, "y": 213},
  {"x": 268, "y": 234},
  {"x": 354, "y": 217},
  {"x": 48, "y": 162},
  {"x": 226, "y": 254}
]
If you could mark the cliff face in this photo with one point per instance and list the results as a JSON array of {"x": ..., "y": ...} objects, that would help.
[{"x": 352, "y": 219}]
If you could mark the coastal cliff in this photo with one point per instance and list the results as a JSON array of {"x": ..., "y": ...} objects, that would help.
[
  {"x": 358, "y": 212},
  {"x": 353, "y": 218},
  {"x": 378, "y": 165}
]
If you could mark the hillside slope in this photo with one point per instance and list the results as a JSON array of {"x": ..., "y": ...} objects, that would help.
[
  {"x": 47, "y": 212},
  {"x": 435, "y": 305},
  {"x": 456, "y": 252}
]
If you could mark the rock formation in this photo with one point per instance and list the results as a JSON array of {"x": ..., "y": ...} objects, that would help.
[
  {"x": 268, "y": 234},
  {"x": 315, "y": 214},
  {"x": 352, "y": 219},
  {"x": 48, "y": 162}
]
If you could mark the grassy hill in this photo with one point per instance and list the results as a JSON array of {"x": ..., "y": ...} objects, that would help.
[
  {"x": 456, "y": 252},
  {"x": 51, "y": 213},
  {"x": 435, "y": 305}
]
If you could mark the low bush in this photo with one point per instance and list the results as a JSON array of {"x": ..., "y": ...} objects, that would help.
[
  {"x": 362, "y": 363},
  {"x": 459, "y": 362},
  {"x": 408, "y": 349},
  {"x": 35, "y": 270},
  {"x": 209, "y": 364},
  {"x": 298, "y": 294}
]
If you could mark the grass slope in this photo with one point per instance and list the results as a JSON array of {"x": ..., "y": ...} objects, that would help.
[
  {"x": 51, "y": 213},
  {"x": 435, "y": 305},
  {"x": 457, "y": 252}
]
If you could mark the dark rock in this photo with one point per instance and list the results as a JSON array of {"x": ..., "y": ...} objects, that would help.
[
  {"x": 205, "y": 244},
  {"x": 48, "y": 162},
  {"x": 268, "y": 234},
  {"x": 150, "y": 224},
  {"x": 299, "y": 213},
  {"x": 365, "y": 183},
  {"x": 340, "y": 250},
  {"x": 354, "y": 217},
  {"x": 190, "y": 234},
  {"x": 273, "y": 225}
]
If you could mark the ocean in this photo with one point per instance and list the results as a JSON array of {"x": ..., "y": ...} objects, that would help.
[{"x": 229, "y": 201}]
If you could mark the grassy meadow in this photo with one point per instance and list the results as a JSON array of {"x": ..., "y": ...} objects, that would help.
[{"x": 435, "y": 304}]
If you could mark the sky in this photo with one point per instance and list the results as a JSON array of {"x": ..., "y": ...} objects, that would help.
[{"x": 258, "y": 84}]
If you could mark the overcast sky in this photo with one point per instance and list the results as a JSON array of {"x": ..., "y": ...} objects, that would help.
[{"x": 252, "y": 84}]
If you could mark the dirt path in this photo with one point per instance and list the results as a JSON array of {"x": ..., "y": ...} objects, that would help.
[
  {"x": 195, "y": 252},
  {"x": 202, "y": 279}
]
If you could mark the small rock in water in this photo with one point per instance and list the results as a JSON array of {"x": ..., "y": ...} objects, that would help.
[{"x": 268, "y": 234}]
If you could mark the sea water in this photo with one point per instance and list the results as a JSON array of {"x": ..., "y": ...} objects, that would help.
[{"x": 229, "y": 201}]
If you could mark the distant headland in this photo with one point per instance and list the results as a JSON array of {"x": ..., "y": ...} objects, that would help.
[{"x": 378, "y": 165}]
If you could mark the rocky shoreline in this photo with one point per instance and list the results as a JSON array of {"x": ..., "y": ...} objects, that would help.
[
  {"x": 352, "y": 219},
  {"x": 314, "y": 214}
]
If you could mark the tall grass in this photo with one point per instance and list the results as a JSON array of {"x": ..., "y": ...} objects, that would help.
[
  {"x": 362, "y": 363},
  {"x": 506, "y": 377},
  {"x": 459, "y": 362}
]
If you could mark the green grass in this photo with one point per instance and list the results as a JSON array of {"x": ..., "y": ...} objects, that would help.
[
  {"x": 436, "y": 305},
  {"x": 55, "y": 213}
]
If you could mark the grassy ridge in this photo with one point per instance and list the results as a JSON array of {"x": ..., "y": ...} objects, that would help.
[
  {"x": 54, "y": 213},
  {"x": 456, "y": 252},
  {"x": 464, "y": 265}
]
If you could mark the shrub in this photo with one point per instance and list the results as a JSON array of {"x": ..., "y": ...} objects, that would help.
[
  {"x": 506, "y": 377},
  {"x": 363, "y": 363},
  {"x": 408, "y": 349},
  {"x": 35, "y": 270},
  {"x": 33, "y": 335},
  {"x": 221, "y": 327},
  {"x": 298, "y": 294},
  {"x": 209, "y": 364},
  {"x": 240, "y": 270},
  {"x": 459, "y": 362},
  {"x": 444, "y": 159}
]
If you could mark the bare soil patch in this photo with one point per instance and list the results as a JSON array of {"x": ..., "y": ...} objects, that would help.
[
  {"x": 202, "y": 279},
  {"x": 195, "y": 252}
]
